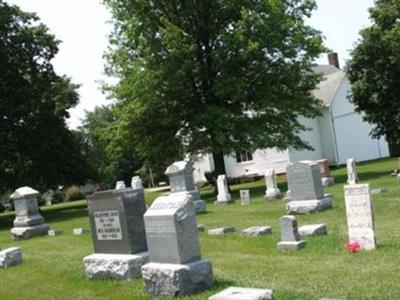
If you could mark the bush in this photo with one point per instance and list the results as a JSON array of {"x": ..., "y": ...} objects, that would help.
[
  {"x": 210, "y": 176},
  {"x": 74, "y": 193},
  {"x": 58, "y": 196}
]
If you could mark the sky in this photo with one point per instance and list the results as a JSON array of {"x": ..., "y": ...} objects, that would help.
[{"x": 83, "y": 27}]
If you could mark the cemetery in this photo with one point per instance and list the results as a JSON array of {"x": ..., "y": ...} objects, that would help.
[{"x": 251, "y": 251}]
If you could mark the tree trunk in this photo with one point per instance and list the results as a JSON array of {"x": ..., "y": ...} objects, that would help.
[{"x": 219, "y": 169}]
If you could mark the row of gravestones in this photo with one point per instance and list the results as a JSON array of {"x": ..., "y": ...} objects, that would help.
[{"x": 173, "y": 265}]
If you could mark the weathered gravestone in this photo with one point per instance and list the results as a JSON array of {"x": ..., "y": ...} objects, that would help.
[
  {"x": 359, "y": 214},
  {"x": 240, "y": 293},
  {"x": 306, "y": 191},
  {"x": 352, "y": 176},
  {"x": 10, "y": 257},
  {"x": 175, "y": 267},
  {"x": 272, "y": 191},
  {"x": 28, "y": 222},
  {"x": 290, "y": 238},
  {"x": 244, "y": 197},
  {"x": 223, "y": 196},
  {"x": 180, "y": 175},
  {"x": 119, "y": 239},
  {"x": 120, "y": 185},
  {"x": 136, "y": 183}
]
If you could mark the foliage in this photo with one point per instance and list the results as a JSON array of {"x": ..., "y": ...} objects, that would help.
[
  {"x": 74, "y": 193},
  {"x": 110, "y": 157},
  {"x": 36, "y": 149},
  {"x": 374, "y": 72},
  {"x": 212, "y": 76}
]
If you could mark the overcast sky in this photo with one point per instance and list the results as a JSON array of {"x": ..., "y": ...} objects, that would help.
[{"x": 82, "y": 27}]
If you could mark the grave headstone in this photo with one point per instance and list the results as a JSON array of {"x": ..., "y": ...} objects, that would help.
[
  {"x": 28, "y": 222},
  {"x": 290, "y": 238},
  {"x": 272, "y": 191},
  {"x": 359, "y": 214},
  {"x": 313, "y": 229},
  {"x": 257, "y": 231},
  {"x": 120, "y": 185},
  {"x": 240, "y": 293},
  {"x": 175, "y": 267},
  {"x": 221, "y": 230},
  {"x": 136, "y": 183},
  {"x": 223, "y": 196},
  {"x": 10, "y": 257},
  {"x": 352, "y": 176},
  {"x": 118, "y": 233},
  {"x": 306, "y": 191},
  {"x": 79, "y": 231},
  {"x": 244, "y": 197},
  {"x": 54, "y": 232},
  {"x": 180, "y": 175}
]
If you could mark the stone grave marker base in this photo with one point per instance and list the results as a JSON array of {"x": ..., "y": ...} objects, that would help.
[
  {"x": 291, "y": 245},
  {"x": 24, "y": 233},
  {"x": 239, "y": 293},
  {"x": 313, "y": 229},
  {"x": 221, "y": 230},
  {"x": 177, "y": 279},
  {"x": 257, "y": 231},
  {"x": 10, "y": 257},
  {"x": 114, "y": 266},
  {"x": 271, "y": 194},
  {"x": 327, "y": 181},
  {"x": 308, "y": 206},
  {"x": 54, "y": 232}
]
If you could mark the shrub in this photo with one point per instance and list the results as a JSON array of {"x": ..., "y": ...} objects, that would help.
[
  {"x": 74, "y": 193},
  {"x": 210, "y": 176}
]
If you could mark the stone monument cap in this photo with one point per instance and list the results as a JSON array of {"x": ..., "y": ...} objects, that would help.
[
  {"x": 23, "y": 192},
  {"x": 179, "y": 167}
]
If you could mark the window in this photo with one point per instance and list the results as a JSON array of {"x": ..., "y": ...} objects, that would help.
[{"x": 243, "y": 156}]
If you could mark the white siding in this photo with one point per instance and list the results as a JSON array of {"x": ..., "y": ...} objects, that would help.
[
  {"x": 327, "y": 141},
  {"x": 202, "y": 163}
]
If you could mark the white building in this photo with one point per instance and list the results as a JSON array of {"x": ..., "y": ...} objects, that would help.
[{"x": 339, "y": 134}]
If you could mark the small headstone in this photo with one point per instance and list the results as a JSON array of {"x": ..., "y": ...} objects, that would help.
[
  {"x": 379, "y": 191},
  {"x": 360, "y": 215},
  {"x": 224, "y": 196},
  {"x": 118, "y": 233},
  {"x": 240, "y": 293},
  {"x": 244, "y": 197},
  {"x": 79, "y": 231},
  {"x": 180, "y": 175},
  {"x": 290, "y": 238},
  {"x": 306, "y": 191},
  {"x": 327, "y": 181},
  {"x": 175, "y": 267},
  {"x": 120, "y": 185},
  {"x": 257, "y": 231},
  {"x": 10, "y": 257},
  {"x": 54, "y": 232},
  {"x": 136, "y": 183},
  {"x": 221, "y": 230},
  {"x": 272, "y": 191},
  {"x": 313, "y": 229},
  {"x": 201, "y": 228},
  {"x": 28, "y": 222},
  {"x": 352, "y": 176}
]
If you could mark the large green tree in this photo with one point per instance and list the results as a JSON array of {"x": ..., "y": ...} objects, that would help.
[
  {"x": 36, "y": 148},
  {"x": 374, "y": 72},
  {"x": 213, "y": 76}
]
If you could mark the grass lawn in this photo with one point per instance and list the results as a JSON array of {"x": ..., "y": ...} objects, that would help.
[{"x": 53, "y": 269}]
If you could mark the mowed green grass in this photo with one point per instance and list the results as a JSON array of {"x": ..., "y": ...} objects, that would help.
[{"x": 53, "y": 269}]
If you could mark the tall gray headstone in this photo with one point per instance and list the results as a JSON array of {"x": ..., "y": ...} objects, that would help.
[
  {"x": 306, "y": 191},
  {"x": 352, "y": 176},
  {"x": 290, "y": 238},
  {"x": 180, "y": 175},
  {"x": 28, "y": 222},
  {"x": 223, "y": 193},
  {"x": 175, "y": 266},
  {"x": 118, "y": 233},
  {"x": 272, "y": 191},
  {"x": 359, "y": 214}
]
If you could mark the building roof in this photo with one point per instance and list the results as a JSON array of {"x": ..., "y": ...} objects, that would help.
[{"x": 327, "y": 88}]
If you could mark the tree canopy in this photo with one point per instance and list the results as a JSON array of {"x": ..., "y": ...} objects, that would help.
[
  {"x": 212, "y": 76},
  {"x": 36, "y": 147},
  {"x": 374, "y": 72}
]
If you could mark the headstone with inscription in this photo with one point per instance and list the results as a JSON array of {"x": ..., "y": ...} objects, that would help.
[
  {"x": 223, "y": 196},
  {"x": 244, "y": 197},
  {"x": 290, "y": 238},
  {"x": 119, "y": 239},
  {"x": 180, "y": 175},
  {"x": 359, "y": 214},
  {"x": 175, "y": 267},
  {"x": 352, "y": 176},
  {"x": 28, "y": 222},
  {"x": 306, "y": 191},
  {"x": 136, "y": 183},
  {"x": 272, "y": 191}
]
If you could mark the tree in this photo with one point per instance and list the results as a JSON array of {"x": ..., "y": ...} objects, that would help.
[
  {"x": 36, "y": 146},
  {"x": 374, "y": 72},
  {"x": 213, "y": 76}
]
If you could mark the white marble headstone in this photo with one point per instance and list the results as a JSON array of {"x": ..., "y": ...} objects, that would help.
[
  {"x": 120, "y": 185},
  {"x": 352, "y": 176},
  {"x": 136, "y": 183}
]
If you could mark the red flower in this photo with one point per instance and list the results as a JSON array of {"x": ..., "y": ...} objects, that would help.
[{"x": 352, "y": 246}]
